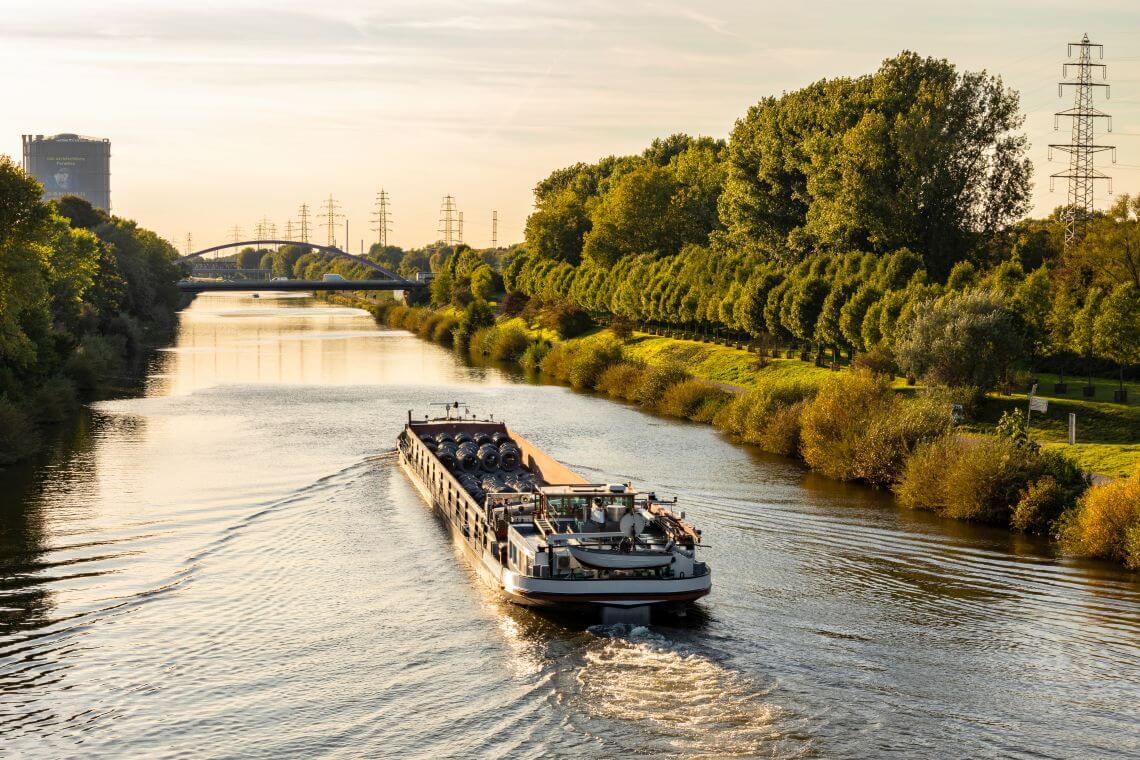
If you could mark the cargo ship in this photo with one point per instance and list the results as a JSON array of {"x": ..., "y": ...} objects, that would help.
[{"x": 541, "y": 535}]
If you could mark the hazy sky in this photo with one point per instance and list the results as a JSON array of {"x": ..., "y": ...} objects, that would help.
[{"x": 220, "y": 113}]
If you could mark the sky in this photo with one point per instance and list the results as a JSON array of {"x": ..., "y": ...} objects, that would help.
[{"x": 224, "y": 113}]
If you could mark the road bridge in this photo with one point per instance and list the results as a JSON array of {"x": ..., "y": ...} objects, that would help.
[
  {"x": 208, "y": 286},
  {"x": 330, "y": 250}
]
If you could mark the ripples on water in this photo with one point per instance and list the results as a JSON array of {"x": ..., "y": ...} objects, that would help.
[{"x": 232, "y": 566}]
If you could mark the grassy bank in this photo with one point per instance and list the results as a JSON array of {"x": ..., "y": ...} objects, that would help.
[{"x": 851, "y": 425}]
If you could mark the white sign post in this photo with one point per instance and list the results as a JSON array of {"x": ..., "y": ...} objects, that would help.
[{"x": 1072, "y": 428}]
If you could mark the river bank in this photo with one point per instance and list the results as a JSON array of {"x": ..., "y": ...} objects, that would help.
[{"x": 852, "y": 426}]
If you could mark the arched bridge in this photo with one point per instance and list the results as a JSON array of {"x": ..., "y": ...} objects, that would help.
[{"x": 393, "y": 281}]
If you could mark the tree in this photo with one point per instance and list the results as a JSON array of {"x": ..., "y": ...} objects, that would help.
[
  {"x": 1116, "y": 330},
  {"x": 557, "y": 226},
  {"x": 1084, "y": 328},
  {"x": 962, "y": 340}
]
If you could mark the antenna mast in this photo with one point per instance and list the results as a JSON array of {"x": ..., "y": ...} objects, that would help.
[
  {"x": 1082, "y": 173},
  {"x": 383, "y": 218}
]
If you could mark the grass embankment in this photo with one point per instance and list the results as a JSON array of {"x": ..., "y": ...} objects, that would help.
[{"x": 850, "y": 425}]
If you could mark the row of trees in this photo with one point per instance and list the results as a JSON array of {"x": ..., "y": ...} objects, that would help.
[{"x": 834, "y": 218}]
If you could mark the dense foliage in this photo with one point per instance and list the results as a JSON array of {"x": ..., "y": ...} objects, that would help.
[
  {"x": 835, "y": 216},
  {"x": 78, "y": 290}
]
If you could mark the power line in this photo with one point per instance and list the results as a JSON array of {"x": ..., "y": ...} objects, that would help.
[
  {"x": 1082, "y": 174},
  {"x": 383, "y": 217}
]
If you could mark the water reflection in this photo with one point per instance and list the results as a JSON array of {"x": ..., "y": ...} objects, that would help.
[{"x": 231, "y": 565}]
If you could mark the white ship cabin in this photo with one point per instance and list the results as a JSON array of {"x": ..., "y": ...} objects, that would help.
[{"x": 593, "y": 531}]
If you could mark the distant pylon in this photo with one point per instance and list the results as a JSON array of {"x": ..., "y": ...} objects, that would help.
[
  {"x": 189, "y": 243},
  {"x": 235, "y": 234},
  {"x": 1082, "y": 173},
  {"x": 447, "y": 220},
  {"x": 262, "y": 230},
  {"x": 382, "y": 217},
  {"x": 304, "y": 222},
  {"x": 495, "y": 230},
  {"x": 459, "y": 241},
  {"x": 288, "y": 229},
  {"x": 330, "y": 210}
]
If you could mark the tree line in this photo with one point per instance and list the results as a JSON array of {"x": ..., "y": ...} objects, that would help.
[
  {"x": 80, "y": 291},
  {"x": 876, "y": 214}
]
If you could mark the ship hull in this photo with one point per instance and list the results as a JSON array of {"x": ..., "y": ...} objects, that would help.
[{"x": 630, "y": 599}]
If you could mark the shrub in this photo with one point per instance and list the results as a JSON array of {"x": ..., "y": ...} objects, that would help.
[
  {"x": 781, "y": 434},
  {"x": 54, "y": 400},
  {"x": 695, "y": 400},
  {"x": 514, "y": 303},
  {"x": 621, "y": 327},
  {"x": 621, "y": 380},
  {"x": 532, "y": 358},
  {"x": 1106, "y": 522},
  {"x": 582, "y": 363},
  {"x": 945, "y": 396},
  {"x": 508, "y": 343},
  {"x": 1041, "y": 502},
  {"x": 656, "y": 380},
  {"x": 95, "y": 361},
  {"x": 878, "y": 361},
  {"x": 921, "y": 484},
  {"x": 768, "y": 416},
  {"x": 19, "y": 437},
  {"x": 444, "y": 329},
  {"x": 857, "y": 428},
  {"x": 996, "y": 480},
  {"x": 963, "y": 339},
  {"x": 567, "y": 319}
]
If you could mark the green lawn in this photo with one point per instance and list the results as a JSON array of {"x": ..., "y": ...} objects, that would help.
[
  {"x": 1108, "y": 434},
  {"x": 720, "y": 364}
]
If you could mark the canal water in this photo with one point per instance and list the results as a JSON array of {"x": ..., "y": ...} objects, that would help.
[{"x": 231, "y": 565}]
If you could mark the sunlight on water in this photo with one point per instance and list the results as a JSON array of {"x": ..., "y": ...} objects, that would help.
[{"x": 232, "y": 564}]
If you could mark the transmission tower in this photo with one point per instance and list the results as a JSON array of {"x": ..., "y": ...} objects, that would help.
[
  {"x": 447, "y": 220},
  {"x": 189, "y": 243},
  {"x": 330, "y": 210},
  {"x": 265, "y": 229},
  {"x": 382, "y": 217},
  {"x": 304, "y": 222},
  {"x": 459, "y": 236},
  {"x": 235, "y": 234},
  {"x": 1081, "y": 174},
  {"x": 495, "y": 230},
  {"x": 288, "y": 229}
]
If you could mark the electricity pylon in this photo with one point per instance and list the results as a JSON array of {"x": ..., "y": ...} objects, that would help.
[
  {"x": 495, "y": 230},
  {"x": 264, "y": 229},
  {"x": 1082, "y": 173},
  {"x": 382, "y": 217},
  {"x": 459, "y": 241},
  {"x": 288, "y": 229},
  {"x": 304, "y": 222},
  {"x": 447, "y": 220},
  {"x": 235, "y": 233},
  {"x": 189, "y": 243},
  {"x": 330, "y": 210}
]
